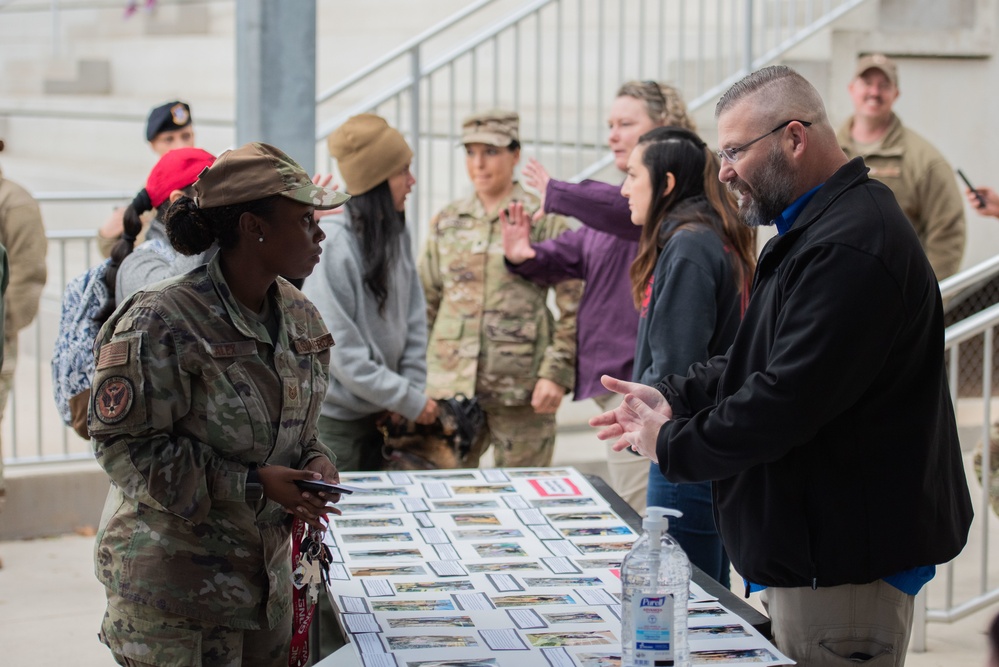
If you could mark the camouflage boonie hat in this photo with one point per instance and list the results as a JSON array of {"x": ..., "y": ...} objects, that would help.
[
  {"x": 256, "y": 171},
  {"x": 495, "y": 128}
]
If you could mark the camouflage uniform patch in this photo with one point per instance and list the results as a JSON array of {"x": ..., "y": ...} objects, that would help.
[{"x": 113, "y": 399}]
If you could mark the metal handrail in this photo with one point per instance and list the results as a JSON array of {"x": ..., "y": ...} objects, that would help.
[
  {"x": 65, "y": 196},
  {"x": 437, "y": 65},
  {"x": 750, "y": 64},
  {"x": 980, "y": 325},
  {"x": 61, "y": 5},
  {"x": 400, "y": 51},
  {"x": 733, "y": 47},
  {"x": 36, "y": 113},
  {"x": 703, "y": 59},
  {"x": 970, "y": 277},
  {"x": 971, "y": 326}
]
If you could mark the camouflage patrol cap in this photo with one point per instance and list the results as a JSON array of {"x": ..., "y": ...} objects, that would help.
[
  {"x": 495, "y": 128},
  {"x": 880, "y": 62},
  {"x": 256, "y": 171}
]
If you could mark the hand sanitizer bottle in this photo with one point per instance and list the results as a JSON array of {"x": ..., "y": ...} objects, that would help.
[{"x": 655, "y": 580}]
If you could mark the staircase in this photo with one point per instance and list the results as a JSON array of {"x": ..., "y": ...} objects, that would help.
[
  {"x": 76, "y": 82},
  {"x": 558, "y": 62}
]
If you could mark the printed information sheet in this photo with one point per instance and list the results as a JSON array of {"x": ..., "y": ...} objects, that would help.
[{"x": 514, "y": 567}]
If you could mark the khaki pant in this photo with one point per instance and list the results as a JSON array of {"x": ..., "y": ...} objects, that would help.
[
  {"x": 868, "y": 624},
  {"x": 357, "y": 444},
  {"x": 520, "y": 438},
  {"x": 628, "y": 472},
  {"x": 6, "y": 384},
  {"x": 141, "y": 636}
]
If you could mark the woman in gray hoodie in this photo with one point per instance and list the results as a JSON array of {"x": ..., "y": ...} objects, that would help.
[{"x": 368, "y": 293}]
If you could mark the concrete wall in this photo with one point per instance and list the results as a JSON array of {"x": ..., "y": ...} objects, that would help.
[{"x": 53, "y": 499}]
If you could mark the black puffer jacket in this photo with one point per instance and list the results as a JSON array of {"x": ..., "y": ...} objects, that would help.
[{"x": 828, "y": 428}]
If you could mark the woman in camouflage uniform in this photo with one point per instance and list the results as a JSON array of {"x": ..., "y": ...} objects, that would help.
[
  {"x": 491, "y": 333},
  {"x": 203, "y": 413}
]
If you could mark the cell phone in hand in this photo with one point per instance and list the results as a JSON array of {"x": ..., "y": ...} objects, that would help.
[
  {"x": 319, "y": 486},
  {"x": 978, "y": 195}
]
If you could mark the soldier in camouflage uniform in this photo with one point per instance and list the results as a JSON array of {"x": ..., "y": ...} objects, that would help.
[
  {"x": 491, "y": 333},
  {"x": 23, "y": 234},
  {"x": 203, "y": 413}
]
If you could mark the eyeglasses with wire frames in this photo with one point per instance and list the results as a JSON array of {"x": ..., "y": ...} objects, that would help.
[{"x": 731, "y": 155}]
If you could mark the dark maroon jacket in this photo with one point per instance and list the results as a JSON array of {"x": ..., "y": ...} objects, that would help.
[{"x": 607, "y": 320}]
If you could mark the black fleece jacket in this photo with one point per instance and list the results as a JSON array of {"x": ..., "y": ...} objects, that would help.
[{"x": 828, "y": 428}]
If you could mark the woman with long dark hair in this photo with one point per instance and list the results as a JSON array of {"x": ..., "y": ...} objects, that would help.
[
  {"x": 690, "y": 282},
  {"x": 600, "y": 252},
  {"x": 369, "y": 294}
]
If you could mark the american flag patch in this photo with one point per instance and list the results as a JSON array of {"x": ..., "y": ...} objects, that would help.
[{"x": 113, "y": 354}]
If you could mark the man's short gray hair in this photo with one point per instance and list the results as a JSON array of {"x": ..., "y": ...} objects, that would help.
[{"x": 788, "y": 94}]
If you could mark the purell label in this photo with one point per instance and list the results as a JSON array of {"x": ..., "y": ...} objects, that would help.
[{"x": 653, "y": 630}]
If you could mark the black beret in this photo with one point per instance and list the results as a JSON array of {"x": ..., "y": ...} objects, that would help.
[{"x": 170, "y": 116}]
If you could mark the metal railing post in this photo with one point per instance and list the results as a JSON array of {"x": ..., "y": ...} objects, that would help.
[
  {"x": 983, "y": 510},
  {"x": 414, "y": 124},
  {"x": 55, "y": 29}
]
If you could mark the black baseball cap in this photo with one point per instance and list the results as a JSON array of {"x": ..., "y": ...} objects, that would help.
[{"x": 166, "y": 117}]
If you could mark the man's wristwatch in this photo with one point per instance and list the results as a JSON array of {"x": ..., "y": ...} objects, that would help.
[{"x": 254, "y": 488}]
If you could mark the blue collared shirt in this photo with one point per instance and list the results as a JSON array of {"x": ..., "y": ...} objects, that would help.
[{"x": 790, "y": 214}]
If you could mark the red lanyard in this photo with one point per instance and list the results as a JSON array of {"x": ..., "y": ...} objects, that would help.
[{"x": 302, "y": 610}]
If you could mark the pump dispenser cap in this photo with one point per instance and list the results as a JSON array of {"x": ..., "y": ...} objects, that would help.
[{"x": 655, "y": 518}]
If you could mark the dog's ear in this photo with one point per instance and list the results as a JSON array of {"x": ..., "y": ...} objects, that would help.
[{"x": 448, "y": 423}]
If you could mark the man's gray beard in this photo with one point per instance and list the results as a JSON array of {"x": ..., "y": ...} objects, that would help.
[{"x": 774, "y": 191}]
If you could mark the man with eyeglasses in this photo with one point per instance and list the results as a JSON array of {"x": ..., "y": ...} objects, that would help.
[
  {"x": 827, "y": 428},
  {"x": 919, "y": 175}
]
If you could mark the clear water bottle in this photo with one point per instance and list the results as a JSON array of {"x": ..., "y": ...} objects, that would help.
[{"x": 655, "y": 580}]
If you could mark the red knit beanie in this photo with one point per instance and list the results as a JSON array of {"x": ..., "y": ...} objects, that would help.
[{"x": 176, "y": 170}]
